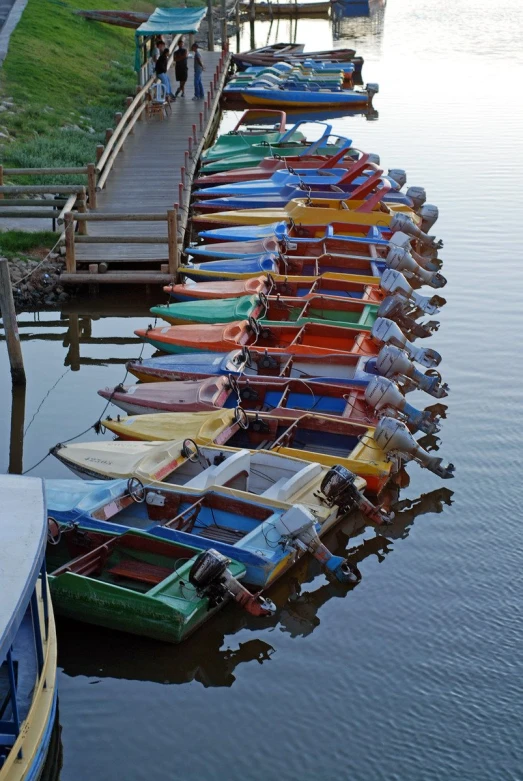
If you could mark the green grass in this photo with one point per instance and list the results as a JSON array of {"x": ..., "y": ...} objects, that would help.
[
  {"x": 16, "y": 243},
  {"x": 64, "y": 71}
]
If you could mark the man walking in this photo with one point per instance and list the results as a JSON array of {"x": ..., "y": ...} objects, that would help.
[{"x": 198, "y": 69}]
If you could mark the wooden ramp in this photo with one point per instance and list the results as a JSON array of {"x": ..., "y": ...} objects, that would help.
[{"x": 145, "y": 180}]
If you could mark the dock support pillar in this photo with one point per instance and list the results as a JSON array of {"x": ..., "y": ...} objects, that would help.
[{"x": 7, "y": 308}]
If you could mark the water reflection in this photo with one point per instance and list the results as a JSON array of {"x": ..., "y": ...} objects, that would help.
[
  {"x": 359, "y": 21},
  {"x": 202, "y": 657}
]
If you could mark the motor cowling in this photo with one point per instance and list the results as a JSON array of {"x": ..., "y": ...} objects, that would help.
[
  {"x": 339, "y": 488},
  {"x": 393, "y": 437},
  {"x": 399, "y": 176},
  {"x": 429, "y": 214},
  {"x": 385, "y": 397},
  {"x": 211, "y": 578},
  {"x": 393, "y": 362},
  {"x": 385, "y": 330},
  {"x": 372, "y": 89},
  {"x": 374, "y": 158},
  {"x": 417, "y": 195},
  {"x": 400, "y": 259},
  {"x": 395, "y": 308},
  {"x": 402, "y": 222},
  {"x": 394, "y": 282}
]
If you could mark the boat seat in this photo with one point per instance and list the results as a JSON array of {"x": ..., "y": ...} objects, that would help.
[
  {"x": 285, "y": 489},
  {"x": 221, "y": 474},
  {"x": 140, "y": 570}
]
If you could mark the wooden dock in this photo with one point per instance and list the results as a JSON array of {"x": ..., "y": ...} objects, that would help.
[{"x": 151, "y": 177}]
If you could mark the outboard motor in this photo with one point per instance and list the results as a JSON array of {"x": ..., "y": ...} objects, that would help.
[
  {"x": 374, "y": 158},
  {"x": 385, "y": 330},
  {"x": 339, "y": 488},
  {"x": 372, "y": 89},
  {"x": 298, "y": 527},
  {"x": 211, "y": 577},
  {"x": 402, "y": 222},
  {"x": 429, "y": 214},
  {"x": 386, "y": 398},
  {"x": 400, "y": 259},
  {"x": 394, "y": 363},
  {"x": 418, "y": 196},
  {"x": 399, "y": 176},
  {"x": 393, "y": 437},
  {"x": 394, "y": 282},
  {"x": 395, "y": 308}
]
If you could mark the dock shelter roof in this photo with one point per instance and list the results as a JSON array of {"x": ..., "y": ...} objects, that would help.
[{"x": 172, "y": 21}]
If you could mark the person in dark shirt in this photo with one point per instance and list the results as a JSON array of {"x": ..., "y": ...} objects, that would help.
[
  {"x": 181, "y": 68},
  {"x": 161, "y": 68}
]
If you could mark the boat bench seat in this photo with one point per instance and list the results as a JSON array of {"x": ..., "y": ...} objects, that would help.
[
  {"x": 285, "y": 488},
  {"x": 221, "y": 474},
  {"x": 140, "y": 570}
]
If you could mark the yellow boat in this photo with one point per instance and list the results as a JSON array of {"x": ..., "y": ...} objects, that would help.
[
  {"x": 350, "y": 444},
  {"x": 313, "y": 211}
]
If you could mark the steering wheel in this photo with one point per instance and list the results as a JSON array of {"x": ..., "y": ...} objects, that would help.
[
  {"x": 264, "y": 301},
  {"x": 190, "y": 450},
  {"x": 136, "y": 490},
  {"x": 240, "y": 416},
  {"x": 254, "y": 326},
  {"x": 246, "y": 355},
  {"x": 233, "y": 384},
  {"x": 54, "y": 531}
]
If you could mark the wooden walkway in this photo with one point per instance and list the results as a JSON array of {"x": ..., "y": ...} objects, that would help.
[{"x": 145, "y": 180}]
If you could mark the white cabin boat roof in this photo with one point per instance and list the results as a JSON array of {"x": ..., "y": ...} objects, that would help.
[{"x": 23, "y": 535}]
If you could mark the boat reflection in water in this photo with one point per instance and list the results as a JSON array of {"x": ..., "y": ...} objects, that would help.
[
  {"x": 361, "y": 20},
  {"x": 202, "y": 658}
]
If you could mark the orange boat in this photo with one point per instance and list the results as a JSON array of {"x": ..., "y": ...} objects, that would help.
[{"x": 308, "y": 339}]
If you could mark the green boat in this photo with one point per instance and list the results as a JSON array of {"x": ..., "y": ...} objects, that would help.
[
  {"x": 272, "y": 310},
  {"x": 140, "y": 584},
  {"x": 247, "y": 132}
]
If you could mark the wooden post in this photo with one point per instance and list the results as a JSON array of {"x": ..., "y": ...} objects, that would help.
[
  {"x": 70, "y": 259},
  {"x": 180, "y": 192},
  {"x": 210, "y": 29},
  {"x": 108, "y": 134},
  {"x": 16, "y": 442},
  {"x": 99, "y": 152},
  {"x": 224, "y": 23},
  {"x": 128, "y": 102},
  {"x": 91, "y": 184},
  {"x": 201, "y": 121},
  {"x": 117, "y": 117},
  {"x": 237, "y": 22},
  {"x": 7, "y": 308},
  {"x": 195, "y": 137},
  {"x": 73, "y": 355},
  {"x": 1, "y": 180},
  {"x": 172, "y": 233},
  {"x": 82, "y": 224}
]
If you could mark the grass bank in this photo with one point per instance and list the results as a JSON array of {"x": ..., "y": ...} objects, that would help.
[{"x": 62, "y": 81}]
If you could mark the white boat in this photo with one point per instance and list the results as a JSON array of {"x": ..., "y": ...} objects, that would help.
[{"x": 28, "y": 691}]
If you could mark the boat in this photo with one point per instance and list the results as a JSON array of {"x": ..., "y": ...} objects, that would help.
[
  {"x": 29, "y": 701},
  {"x": 307, "y": 339},
  {"x": 265, "y": 57},
  {"x": 189, "y": 395},
  {"x": 256, "y": 365},
  {"x": 271, "y": 310},
  {"x": 354, "y": 214},
  {"x": 269, "y": 478},
  {"x": 136, "y": 583},
  {"x": 249, "y": 131},
  {"x": 297, "y": 287},
  {"x": 308, "y": 97},
  {"x": 267, "y": 541},
  {"x": 301, "y": 8},
  {"x": 291, "y": 144}
]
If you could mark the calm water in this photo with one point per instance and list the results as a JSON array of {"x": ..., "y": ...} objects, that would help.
[{"x": 416, "y": 673}]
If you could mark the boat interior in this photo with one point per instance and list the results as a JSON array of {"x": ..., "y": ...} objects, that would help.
[
  {"x": 131, "y": 561},
  {"x": 260, "y": 398},
  {"x": 341, "y": 367}
]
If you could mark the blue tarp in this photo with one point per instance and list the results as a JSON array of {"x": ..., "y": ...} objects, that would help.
[{"x": 172, "y": 21}]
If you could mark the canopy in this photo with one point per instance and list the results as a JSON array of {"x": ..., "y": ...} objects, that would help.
[{"x": 172, "y": 21}]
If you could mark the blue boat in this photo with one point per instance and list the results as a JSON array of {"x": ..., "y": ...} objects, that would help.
[
  {"x": 28, "y": 688},
  {"x": 266, "y": 540},
  {"x": 246, "y": 266},
  {"x": 306, "y": 96},
  {"x": 276, "y": 229}
]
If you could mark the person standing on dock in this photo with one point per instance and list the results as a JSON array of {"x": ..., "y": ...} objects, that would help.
[
  {"x": 181, "y": 70},
  {"x": 161, "y": 68},
  {"x": 199, "y": 94}
]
